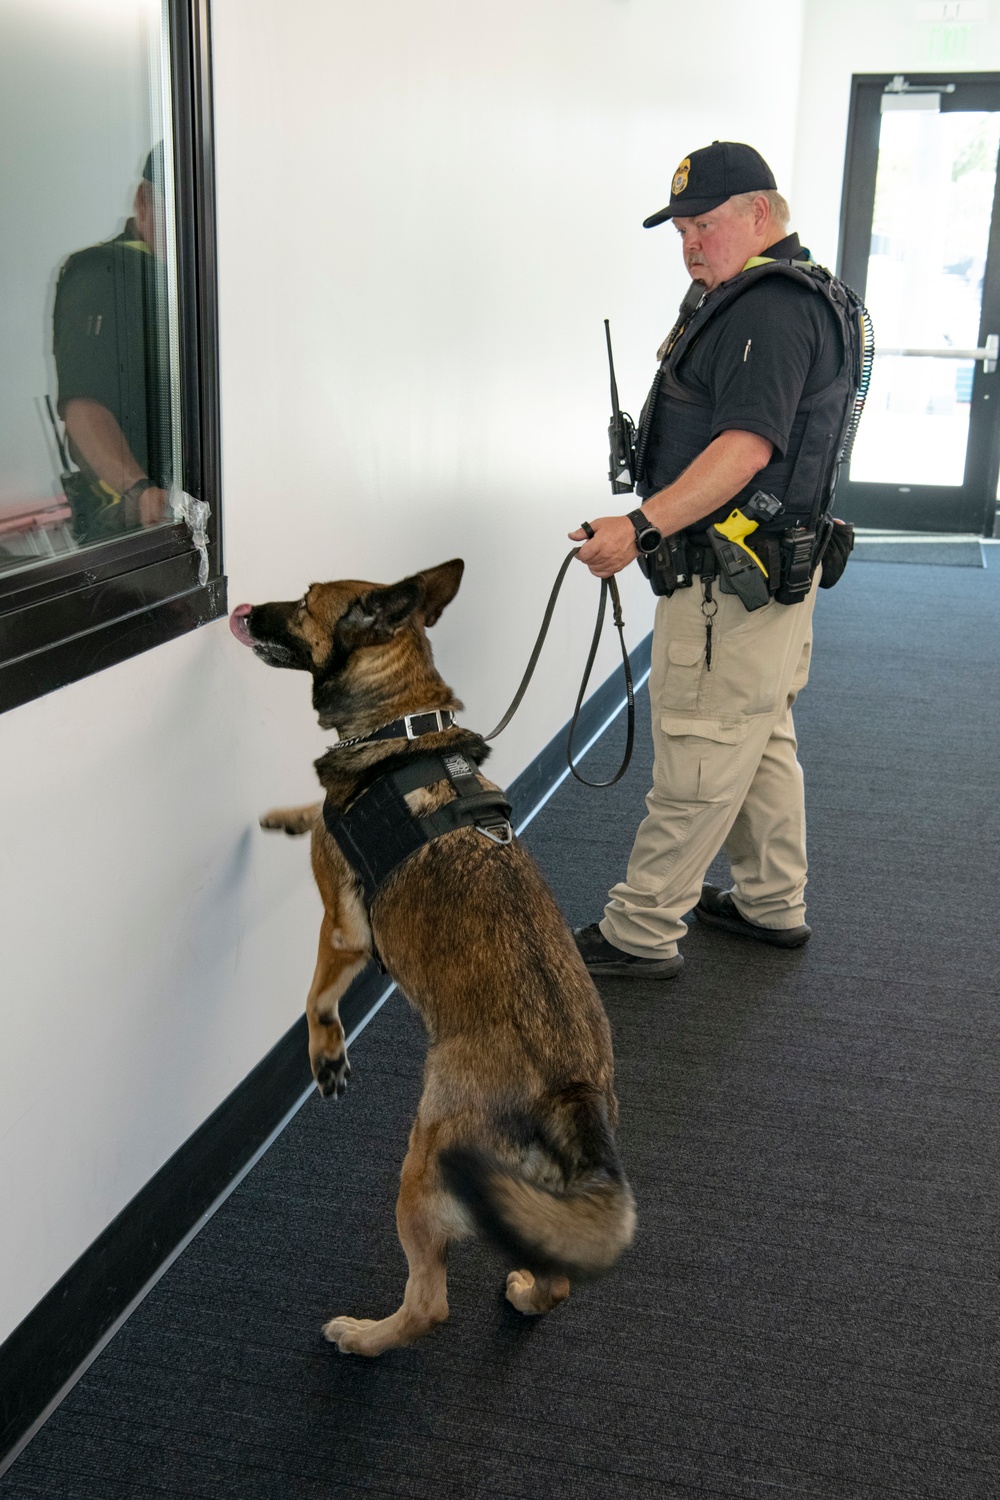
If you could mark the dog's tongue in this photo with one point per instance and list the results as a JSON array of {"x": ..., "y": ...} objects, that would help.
[{"x": 237, "y": 623}]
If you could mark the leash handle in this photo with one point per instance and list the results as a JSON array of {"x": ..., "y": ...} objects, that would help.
[{"x": 607, "y": 585}]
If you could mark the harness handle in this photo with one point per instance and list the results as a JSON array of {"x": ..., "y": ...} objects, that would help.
[{"x": 608, "y": 585}]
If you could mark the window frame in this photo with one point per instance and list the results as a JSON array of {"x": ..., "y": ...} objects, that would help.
[{"x": 71, "y": 616}]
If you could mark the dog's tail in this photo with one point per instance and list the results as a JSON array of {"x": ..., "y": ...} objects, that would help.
[{"x": 567, "y": 1208}]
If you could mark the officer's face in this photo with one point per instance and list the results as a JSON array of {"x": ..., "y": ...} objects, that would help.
[{"x": 718, "y": 244}]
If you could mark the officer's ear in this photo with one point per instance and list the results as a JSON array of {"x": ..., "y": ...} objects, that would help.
[
  {"x": 143, "y": 211},
  {"x": 761, "y": 211}
]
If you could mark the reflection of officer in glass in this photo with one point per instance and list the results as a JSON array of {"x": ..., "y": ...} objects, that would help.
[{"x": 113, "y": 389}]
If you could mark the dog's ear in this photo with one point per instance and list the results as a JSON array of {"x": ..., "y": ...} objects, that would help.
[
  {"x": 440, "y": 587},
  {"x": 379, "y": 614}
]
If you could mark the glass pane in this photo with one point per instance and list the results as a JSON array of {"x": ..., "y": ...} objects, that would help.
[
  {"x": 89, "y": 433},
  {"x": 933, "y": 205}
]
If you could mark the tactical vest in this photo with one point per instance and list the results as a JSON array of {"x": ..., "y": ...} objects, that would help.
[{"x": 675, "y": 425}]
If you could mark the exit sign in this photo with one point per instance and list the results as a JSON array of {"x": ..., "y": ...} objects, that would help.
[{"x": 953, "y": 10}]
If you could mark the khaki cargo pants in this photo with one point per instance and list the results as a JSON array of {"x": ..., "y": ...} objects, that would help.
[{"x": 725, "y": 772}]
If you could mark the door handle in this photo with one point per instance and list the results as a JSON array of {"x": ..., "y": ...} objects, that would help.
[{"x": 989, "y": 354}]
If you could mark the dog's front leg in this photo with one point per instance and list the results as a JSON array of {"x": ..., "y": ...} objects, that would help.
[
  {"x": 424, "y": 1234},
  {"x": 293, "y": 820},
  {"x": 336, "y": 966}
]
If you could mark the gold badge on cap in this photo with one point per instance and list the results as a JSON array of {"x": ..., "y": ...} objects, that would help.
[{"x": 680, "y": 181}]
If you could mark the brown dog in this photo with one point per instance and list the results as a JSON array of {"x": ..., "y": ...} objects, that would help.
[{"x": 513, "y": 1135}]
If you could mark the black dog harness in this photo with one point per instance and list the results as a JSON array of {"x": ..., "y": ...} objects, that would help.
[{"x": 378, "y": 832}]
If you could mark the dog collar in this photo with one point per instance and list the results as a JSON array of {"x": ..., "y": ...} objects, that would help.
[{"x": 409, "y": 727}]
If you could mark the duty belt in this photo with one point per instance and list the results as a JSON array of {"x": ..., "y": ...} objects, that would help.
[{"x": 378, "y": 832}]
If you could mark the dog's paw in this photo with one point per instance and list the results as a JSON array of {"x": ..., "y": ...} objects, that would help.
[
  {"x": 292, "y": 820},
  {"x": 348, "y": 1334},
  {"x": 531, "y": 1296},
  {"x": 331, "y": 1072},
  {"x": 520, "y": 1291}
]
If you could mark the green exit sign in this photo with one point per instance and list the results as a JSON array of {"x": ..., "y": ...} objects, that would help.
[{"x": 953, "y": 10}]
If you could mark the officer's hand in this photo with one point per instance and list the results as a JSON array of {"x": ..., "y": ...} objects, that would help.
[
  {"x": 611, "y": 548},
  {"x": 152, "y": 506}
]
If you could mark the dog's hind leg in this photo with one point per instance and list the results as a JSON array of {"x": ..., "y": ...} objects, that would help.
[
  {"x": 336, "y": 966},
  {"x": 536, "y": 1294},
  {"x": 424, "y": 1234}
]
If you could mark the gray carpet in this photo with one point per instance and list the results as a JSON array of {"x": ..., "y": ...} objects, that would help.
[
  {"x": 923, "y": 549},
  {"x": 811, "y": 1307}
]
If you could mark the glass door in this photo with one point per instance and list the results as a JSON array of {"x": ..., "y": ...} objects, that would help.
[{"x": 920, "y": 241}]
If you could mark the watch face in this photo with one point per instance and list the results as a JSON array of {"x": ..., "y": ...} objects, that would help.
[{"x": 647, "y": 537}]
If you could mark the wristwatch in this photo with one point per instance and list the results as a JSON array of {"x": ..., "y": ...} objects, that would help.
[
  {"x": 647, "y": 536},
  {"x": 138, "y": 489}
]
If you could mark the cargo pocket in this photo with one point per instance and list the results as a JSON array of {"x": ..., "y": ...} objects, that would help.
[
  {"x": 697, "y": 760},
  {"x": 685, "y": 664},
  {"x": 749, "y": 664}
]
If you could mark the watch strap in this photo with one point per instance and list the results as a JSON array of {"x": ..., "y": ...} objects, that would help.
[
  {"x": 642, "y": 525},
  {"x": 138, "y": 488}
]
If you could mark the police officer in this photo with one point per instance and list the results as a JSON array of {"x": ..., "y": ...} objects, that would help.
[
  {"x": 110, "y": 350},
  {"x": 750, "y": 394}
]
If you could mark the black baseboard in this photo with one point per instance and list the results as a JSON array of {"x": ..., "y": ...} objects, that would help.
[{"x": 53, "y": 1345}]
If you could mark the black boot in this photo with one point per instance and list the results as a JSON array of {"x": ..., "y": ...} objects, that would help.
[
  {"x": 718, "y": 909},
  {"x": 602, "y": 957}
]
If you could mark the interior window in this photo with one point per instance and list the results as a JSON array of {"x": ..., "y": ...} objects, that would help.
[
  {"x": 87, "y": 419},
  {"x": 107, "y": 382}
]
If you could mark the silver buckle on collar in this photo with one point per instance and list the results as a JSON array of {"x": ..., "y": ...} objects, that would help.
[{"x": 437, "y": 722}]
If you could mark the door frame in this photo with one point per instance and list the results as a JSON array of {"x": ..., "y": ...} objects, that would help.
[{"x": 970, "y": 507}]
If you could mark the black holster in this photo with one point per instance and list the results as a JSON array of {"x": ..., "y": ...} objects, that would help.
[
  {"x": 835, "y": 548},
  {"x": 96, "y": 516},
  {"x": 798, "y": 563},
  {"x": 739, "y": 574},
  {"x": 669, "y": 567},
  {"x": 803, "y": 550}
]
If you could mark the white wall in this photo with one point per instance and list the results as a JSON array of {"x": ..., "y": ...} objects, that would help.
[
  {"x": 424, "y": 214},
  {"x": 426, "y": 211},
  {"x": 864, "y": 36}
]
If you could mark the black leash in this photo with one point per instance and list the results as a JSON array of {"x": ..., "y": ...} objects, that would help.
[{"x": 608, "y": 585}]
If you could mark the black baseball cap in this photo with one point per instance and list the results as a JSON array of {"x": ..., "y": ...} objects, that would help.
[
  {"x": 708, "y": 177},
  {"x": 152, "y": 170}
]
